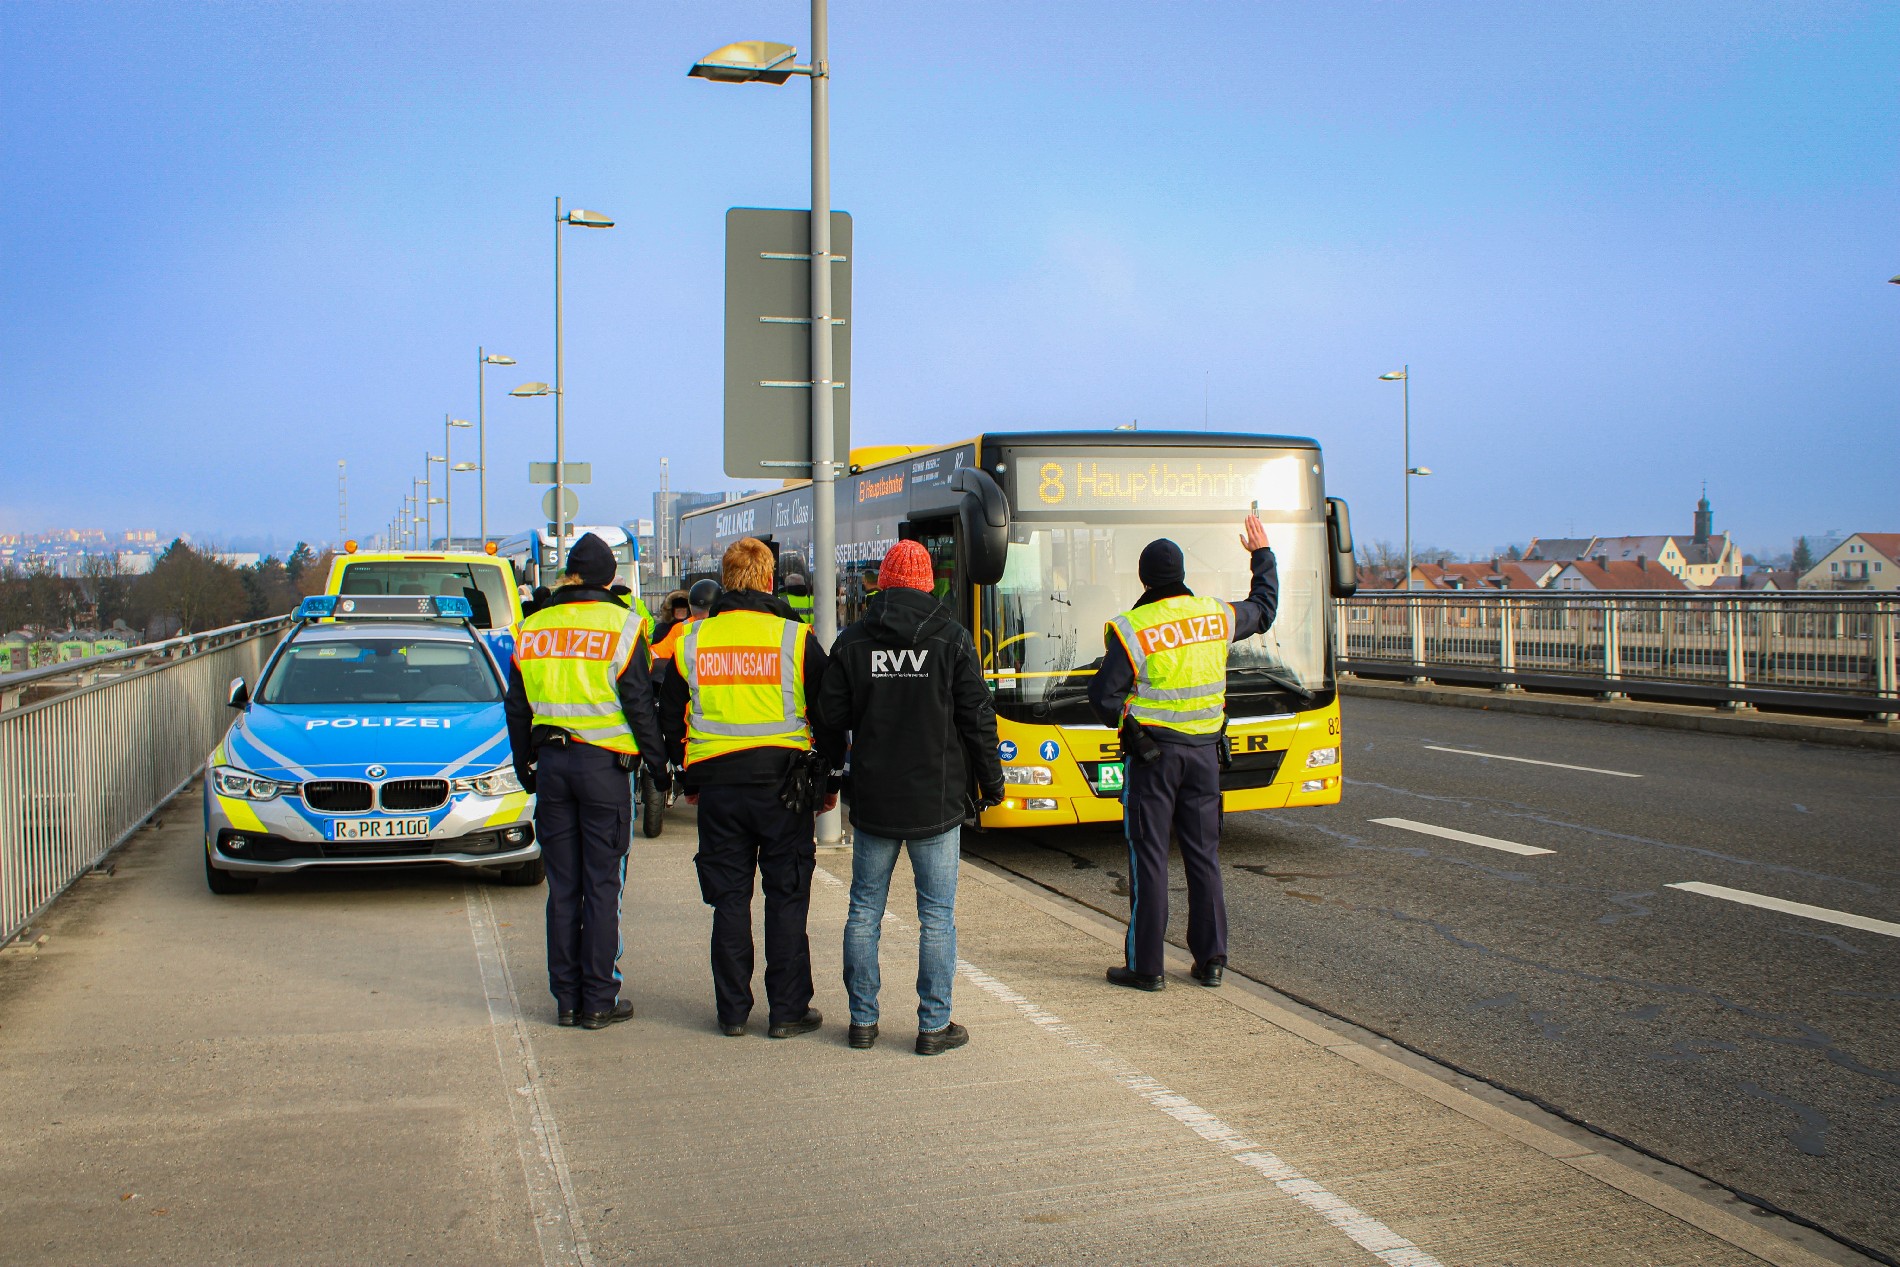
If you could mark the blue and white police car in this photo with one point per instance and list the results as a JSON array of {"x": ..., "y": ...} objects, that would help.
[{"x": 375, "y": 736}]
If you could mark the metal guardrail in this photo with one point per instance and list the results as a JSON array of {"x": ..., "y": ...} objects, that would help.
[
  {"x": 80, "y": 771},
  {"x": 1821, "y": 652}
]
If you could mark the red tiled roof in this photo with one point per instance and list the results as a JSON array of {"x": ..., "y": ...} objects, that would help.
[
  {"x": 1620, "y": 575},
  {"x": 1888, "y": 543}
]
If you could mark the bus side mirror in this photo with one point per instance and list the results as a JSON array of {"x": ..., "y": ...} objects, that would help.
[
  {"x": 1345, "y": 577},
  {"x": 240, "y": 694},
  {"x": 985, "y": 515}
]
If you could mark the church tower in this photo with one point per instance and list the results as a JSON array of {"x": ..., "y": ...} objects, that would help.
[{"x": 1704, "y": 517}]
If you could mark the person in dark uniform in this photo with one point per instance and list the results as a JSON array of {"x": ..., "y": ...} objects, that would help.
[
  {"x": 1163, "y": 685},
  {"x": 797, "y": 596},
  {"x": 580, "y": 715},
  {"x": 735, "y": 712}
]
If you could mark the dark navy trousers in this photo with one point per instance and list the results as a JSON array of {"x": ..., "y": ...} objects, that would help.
[
  {"x": 1178, "y": 793},
  {"x": 583, "y": 815},
  {"x": 743, "y": 828}
]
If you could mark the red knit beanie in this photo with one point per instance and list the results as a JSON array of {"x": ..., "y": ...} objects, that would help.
[{"x": 906, "y": 567}]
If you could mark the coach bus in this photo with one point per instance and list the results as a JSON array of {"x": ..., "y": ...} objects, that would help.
[
  {"x": 532, "y": 553},
  {"x": 1035, "y": 537}
]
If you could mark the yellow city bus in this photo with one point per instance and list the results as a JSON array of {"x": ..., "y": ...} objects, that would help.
[{"x": 1035, "y": 537}]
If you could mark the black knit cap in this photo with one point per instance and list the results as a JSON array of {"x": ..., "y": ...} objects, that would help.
[
  {"x": 1161, "y": 564},
  {"x": 591, "y": 560}
]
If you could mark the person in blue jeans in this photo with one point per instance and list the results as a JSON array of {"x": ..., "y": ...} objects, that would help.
[{"x": 906, "y": 682}]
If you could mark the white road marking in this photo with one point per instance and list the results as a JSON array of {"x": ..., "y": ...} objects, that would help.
[
  {"x": 551, "y": 1200},
  {"x": 1469, "y": 838},
  {"x": 1555, "y": 765},
  {"x": 1361, "y": 1228},
  {"x": 1845, "y": 919}
]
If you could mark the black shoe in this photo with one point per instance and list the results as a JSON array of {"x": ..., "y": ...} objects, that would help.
[
  {"x": 622, "y": 1010},
  {"x": 805, "y": 1024},
  {"x": 1208, "y": 974},
  {"x": 1119, "y": 975},
  {"x": 932, "y": 1042},
  {"x": 565, "y": 1016},
  {"x": 864, "y": 1037}
]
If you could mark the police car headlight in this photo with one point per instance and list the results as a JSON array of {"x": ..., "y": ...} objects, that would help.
[
  {"x": 1322, "y": 756},
  {"x": 497, "y": 782},
  {"x": 231, "y": 781},
  {"x": 1036, "y": 774}
]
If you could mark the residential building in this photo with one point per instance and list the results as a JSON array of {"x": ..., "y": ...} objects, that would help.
[
  {"x": 1702, "y": 560},
  {"x": 1498, "y": 574},
  {"x": 1864, "y": 561},
  {"x": 1616, "y": 574}
]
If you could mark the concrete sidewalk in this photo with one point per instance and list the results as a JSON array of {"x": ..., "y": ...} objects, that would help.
[{"x": 365, "y": 1069}]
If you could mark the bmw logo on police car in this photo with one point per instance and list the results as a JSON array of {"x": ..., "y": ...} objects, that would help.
[{"x": 375, "y": 772}]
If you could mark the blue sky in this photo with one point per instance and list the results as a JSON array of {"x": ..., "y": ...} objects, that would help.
[{"x": 1624, "y": 247}]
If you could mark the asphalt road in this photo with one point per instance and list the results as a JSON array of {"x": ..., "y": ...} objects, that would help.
[{"x": 1759, "y": 1047}]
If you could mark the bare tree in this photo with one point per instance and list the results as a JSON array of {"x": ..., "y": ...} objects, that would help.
[{"x": 199, "y": 590}]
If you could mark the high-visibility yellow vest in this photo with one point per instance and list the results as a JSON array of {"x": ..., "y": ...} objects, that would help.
[
  {"x": 801, "y": 605},
  {"x": 1178, "y": 647},
  {"x": 570, "y": 657},
  {"x": 745, "y": 672}
]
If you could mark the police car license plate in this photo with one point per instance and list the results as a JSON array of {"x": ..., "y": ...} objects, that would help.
[
  {"x": 377, "y": 828},
  {"x": 1108, "y": 776}
]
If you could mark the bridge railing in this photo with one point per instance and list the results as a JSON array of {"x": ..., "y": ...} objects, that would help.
[
  {"x": 82, "y": 768},
  {"x": 1820, "y": 651}
]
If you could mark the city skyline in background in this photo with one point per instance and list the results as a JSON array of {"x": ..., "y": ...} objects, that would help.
[{"x": 1622, "y": 251}]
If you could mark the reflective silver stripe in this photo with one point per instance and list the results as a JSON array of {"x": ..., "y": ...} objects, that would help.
[
  {"x": 629, "y": 634},
  {"x": 610, "y": 709},
  {"x": 1166, "y": 715},
  {"x": 1180, "y": 692},
  {"x": 788, "y": 669},
  {"x": 734, "y": 729},
  {"x": 1126, "y": 627}
]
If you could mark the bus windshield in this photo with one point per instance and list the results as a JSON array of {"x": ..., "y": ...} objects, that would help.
[{"x": 1042, "y": 636}]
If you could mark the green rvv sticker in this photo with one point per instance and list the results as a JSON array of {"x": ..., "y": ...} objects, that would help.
[{"x": 1108, "y": 776}]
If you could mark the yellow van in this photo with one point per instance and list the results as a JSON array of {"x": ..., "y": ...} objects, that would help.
[{"x": 487, "y": 582}]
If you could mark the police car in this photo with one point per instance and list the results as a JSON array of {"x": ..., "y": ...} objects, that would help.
[{"x": 375, "y": 737}]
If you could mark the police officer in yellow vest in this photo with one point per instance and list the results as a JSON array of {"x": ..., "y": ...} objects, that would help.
[
  {"x": 738, "y": 704},
  {"x": 797, "y": 596},
  {"x": 1163, "y": 684},
  {"x": 580, "y": 715}
]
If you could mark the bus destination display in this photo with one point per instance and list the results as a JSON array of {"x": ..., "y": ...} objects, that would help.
[{"x": 1190, "y": 481}]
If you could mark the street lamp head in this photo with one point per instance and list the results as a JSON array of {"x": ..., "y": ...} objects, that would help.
[
  {"x": 1419, "y": 470},
  {"x": 467, "y": 466},
  {"x": 588, "y": 220},
  {"x": 1394, "y": 377},
  {"x": 531, "y": 389},
  {"x": 746, "y": 61},
  {"x": 1895, "y": 281},
  {"x": 435, "y": 501},
  {"x": 460, "y": 422},
  {"x": 498, "y": 359}
]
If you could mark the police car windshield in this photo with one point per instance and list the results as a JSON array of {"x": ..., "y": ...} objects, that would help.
[
  {"x": 482, "y": 584},
  {"x": 381, "y": 668},
  {"x": 1043, "y": 623}
]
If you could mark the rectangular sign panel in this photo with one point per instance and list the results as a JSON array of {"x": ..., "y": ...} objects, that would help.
[
  {"x": 575, "y": 472},
  {"x": 1104, "y": 481},
  {"x": 768, "y": 341}
]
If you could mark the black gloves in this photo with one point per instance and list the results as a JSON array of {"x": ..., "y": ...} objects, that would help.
[
  {"x": 661, "y": 776},
  {"x": 526, "y": 779}
]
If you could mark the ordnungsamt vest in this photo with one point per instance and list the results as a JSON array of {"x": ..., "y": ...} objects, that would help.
[
  {"x": 570, "y": 657},
  {"x": 745, "y": 673},
  {"x": 1178, "y": 647}
]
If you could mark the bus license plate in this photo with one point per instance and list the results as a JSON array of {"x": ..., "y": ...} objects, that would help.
[
  {"x": 1108, "y": 777},
  {"x": 377, "y": 828}
]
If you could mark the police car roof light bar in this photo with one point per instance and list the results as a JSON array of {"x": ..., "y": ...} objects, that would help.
[
  {"x": 317, "y": 607},
  {"x": 451, "y": 607}
]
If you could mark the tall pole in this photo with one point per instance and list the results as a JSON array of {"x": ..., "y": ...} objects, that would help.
[
  {"x": 824, "y": 524},
  {"x": 342, "y": 501},
  {"x": 560, "y": 419},
  {"x": 428, "y": 500},
  {"x": 448, "y": 488},
  {"x": 662, "y": 533},
  {"x": 1405, "y": 383},
  {"x": 481, "y": 437}
]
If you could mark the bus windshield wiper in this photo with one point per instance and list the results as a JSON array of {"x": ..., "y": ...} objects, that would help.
[{"x": 1281, "y": 681}]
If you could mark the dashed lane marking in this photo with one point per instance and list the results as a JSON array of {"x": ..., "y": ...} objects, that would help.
[
  {"x": 1361, "y": 1228},
  {"x": 1845, "y": 919},
  {"x": 1469, "y": 838},
  {"x": 551, "y": 1201},
  {"x": 1555, "y": 765}
]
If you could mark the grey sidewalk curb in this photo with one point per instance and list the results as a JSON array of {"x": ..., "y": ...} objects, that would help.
[
  {"x": 1588, "y": 1159},
  {"x": 1822, "y": 730}
]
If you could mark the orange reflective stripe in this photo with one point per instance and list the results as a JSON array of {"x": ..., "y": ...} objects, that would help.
[
  {"x": 1184, "y": 632},
  {"x": 565, "y": 643},
  {"x": 737, "y": 666}
]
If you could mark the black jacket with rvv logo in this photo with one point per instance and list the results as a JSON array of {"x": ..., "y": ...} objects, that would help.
[{"x": 906, "y": 682}]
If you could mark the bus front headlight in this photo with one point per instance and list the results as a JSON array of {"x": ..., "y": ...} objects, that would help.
[
  {"x": 1321, "y": 757},
  {"x": 1038, "y": 775}
]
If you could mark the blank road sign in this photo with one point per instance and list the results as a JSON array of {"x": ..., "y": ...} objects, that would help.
[
  {"x": 768, "y": 340},
  {"x": 571, "y": 473},
  {"x": 570, "y": 503}
]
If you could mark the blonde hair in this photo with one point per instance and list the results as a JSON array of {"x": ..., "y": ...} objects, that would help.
[{"x": 747, "y": 565}]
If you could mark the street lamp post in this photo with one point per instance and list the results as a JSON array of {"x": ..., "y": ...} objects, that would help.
[
  {"x": 482, "y": 362},
  {"x": 448, "y": 484},
  {"x": 764, "y": 62},
  {"x": 1403, "y": 376}
]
